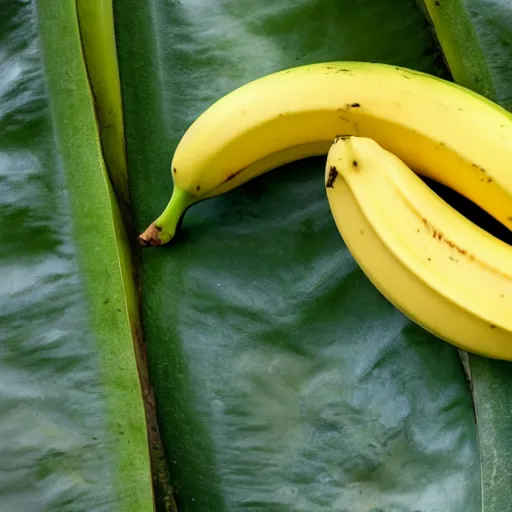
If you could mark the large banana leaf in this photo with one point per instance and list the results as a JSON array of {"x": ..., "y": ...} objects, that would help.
[
  {"x": 284, "y": 380},
  {"x": 72, "y": 426}
]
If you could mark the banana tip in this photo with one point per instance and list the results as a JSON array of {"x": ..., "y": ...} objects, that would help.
[{"x": 151, "y": 237}]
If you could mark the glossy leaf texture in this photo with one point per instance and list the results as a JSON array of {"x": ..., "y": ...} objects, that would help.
[
  {"x": 476, "y": 38},
  {"x": 72, "y": 428},
  {"x": 284, "y": 381},
  {"x": 492, "y": 394}
]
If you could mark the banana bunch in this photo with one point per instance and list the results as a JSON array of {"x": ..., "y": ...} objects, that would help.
[
  {"x": 376, "y": 123},
  {"x": 445, "y": 273}
]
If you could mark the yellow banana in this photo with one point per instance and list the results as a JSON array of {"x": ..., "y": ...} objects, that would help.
[
  {"x": 445, "y": 273},
  {"x": 437, "y": 128}
]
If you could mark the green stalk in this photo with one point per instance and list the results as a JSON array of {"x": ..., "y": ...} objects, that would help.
[
  {"x": 103, "y": 252},
  {"x": 461, "y": 46},
  {"x": 96, "y": 21},
  {"x": 97, "y": 30},
  {"x": 164, "y": 228}
]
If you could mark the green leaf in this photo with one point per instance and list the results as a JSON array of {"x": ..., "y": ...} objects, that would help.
[
  {"x": 72, "y": 416},
  {"x": 492, "y": 395},
  {"x": 284, "y": 381}
]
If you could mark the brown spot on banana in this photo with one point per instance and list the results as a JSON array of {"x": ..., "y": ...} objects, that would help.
[
  {"x": 234, "y": 175},
  {"x": 438, "y": 235},
  {"x": 333, "y": 174},
  {"x": 349, "y": 106}
]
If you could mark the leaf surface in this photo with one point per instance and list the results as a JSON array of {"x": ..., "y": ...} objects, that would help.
[{"x": 284, "y": 381}]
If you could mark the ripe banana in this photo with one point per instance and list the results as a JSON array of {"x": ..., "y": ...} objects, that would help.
[
  {"x": 437, "y": 128},
  {"x": 442, "y": 271}
]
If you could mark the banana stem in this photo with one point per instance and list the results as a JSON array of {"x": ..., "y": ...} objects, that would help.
[{"x": 164, "y": 228}]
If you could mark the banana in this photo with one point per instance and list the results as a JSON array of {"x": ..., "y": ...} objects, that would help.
[
  {"x": 442, "y": 271},
  {"x": 439, "y": 129}
]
